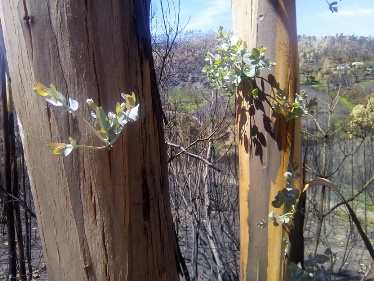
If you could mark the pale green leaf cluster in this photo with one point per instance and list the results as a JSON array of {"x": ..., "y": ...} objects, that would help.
[
  {"x": 295, "y": 109},
  {"x": 287, "y": 198},
  {"x": 64, "y": 149},
  {"x": 55, "y": 98},
  {"x": 362, "y": 119},
  {"x": 109, "y": 125},
  {"x": 232, "y": 63}
]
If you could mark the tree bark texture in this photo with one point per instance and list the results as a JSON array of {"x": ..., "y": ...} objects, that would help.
[
  {"x": 267, "y": 142},
  {"x": 103, "y": 214}
]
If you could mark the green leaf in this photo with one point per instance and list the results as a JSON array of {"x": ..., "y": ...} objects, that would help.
[
  {"x": 92, "y": 104},
  {"x": 133, "y": 113},
  {"x": 41, "y": 90},
  {"x": 56, "y": 96},
  {"x": 261, "y": 49},
  {"x": 50, "y": 94},
  {"x": 60, "y": 149},
  {"x": 246, "y": 58},
  {"x": 73, "y": 105},
  {"x": 255, "y": 53},
  {"x": 254, "y": 93},
  {"x": 103, "y": 120},
  {"x": 119, "y": 107},
  {"x": 73, "y": 139},
  {"x": 130, "y": 100},
  {"x": 249, "y": 71}
]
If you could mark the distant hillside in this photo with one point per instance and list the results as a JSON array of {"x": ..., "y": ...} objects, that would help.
[
  {"x": 325, "y": 63},
  {"x": 338, "y": 61},
  {"x": 186, "y": 60}
]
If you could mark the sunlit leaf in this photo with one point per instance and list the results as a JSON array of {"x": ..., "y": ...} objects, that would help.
[
  {"x": 130, "y": 100},
  {"x": 249, "y": 71},
  {"x": 235, "y": 40},
  {"x": 54, "y": 101},
  {"x": 118, "y": 108},
  {"x": 261, "y": 49},
  {"x": 133, "y": 113},
  {"x": 91, "y": 104},
  {"x": 73, "y": 104},
  {"x": 56, "y": 96},
  {"x": 271, "y": 215},
  {"x": 254, "y": 93},
  {"x": 288, "y": 175},
  {"x": 41, "y": 90},
  {"x": 61, "y": 149},
  {"x": 246, "y": 58},
  {"x": 73, "y": 139},
  {"x": 103, "y": 120}
]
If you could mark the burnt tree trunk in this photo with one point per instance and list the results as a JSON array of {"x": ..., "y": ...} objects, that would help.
[
  {"x": 15, "y": 185},
  {"x": 267, "y": 143},
  {"x": 7, "y": 170},
  {"x": 103, "y": 215}
]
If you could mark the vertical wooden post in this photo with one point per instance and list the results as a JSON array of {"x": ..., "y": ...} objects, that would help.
[{"x": 267, "y": 142}]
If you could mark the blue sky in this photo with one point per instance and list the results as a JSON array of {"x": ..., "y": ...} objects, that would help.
[
  {"x": 313, "y": 16},
  {"x": 353, "y": 17}
]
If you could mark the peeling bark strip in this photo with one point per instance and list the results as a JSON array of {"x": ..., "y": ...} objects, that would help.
[
  {"x": 263, "y": 162},
  {"x": 103, "y": 215}
]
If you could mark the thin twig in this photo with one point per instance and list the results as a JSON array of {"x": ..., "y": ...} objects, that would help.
[
  {"x": 368, "y": 183},
  {"x": 27, "y": 209},
  {"x": 183, "y": 150},
  {"x": 325, "y": 182},
  {"x": 206, "y": 138}
]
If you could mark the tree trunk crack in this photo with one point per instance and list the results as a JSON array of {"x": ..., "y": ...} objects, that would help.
[
  {"x": 93, "y": 52},
  {"x": 28, "y": 22},
  {"x": 106, "y": 260},
  {"x": 49, "y": 122}
]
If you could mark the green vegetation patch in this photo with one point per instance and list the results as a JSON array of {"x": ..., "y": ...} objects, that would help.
[
  {"x": 183, "y": 99},
  {"x": 361, "y": 204},
  {"x": 360, "y": 91},
  {"x": 318, "y": 86},
  {"x": 365, "y": 84},
  {"x": 347, "y": 103}
]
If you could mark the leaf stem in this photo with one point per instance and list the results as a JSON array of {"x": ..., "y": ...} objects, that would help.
[
  {"x": 89, "y": 146},
  {"x": 91, "y": 127}
]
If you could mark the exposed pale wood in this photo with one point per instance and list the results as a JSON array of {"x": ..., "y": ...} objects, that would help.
[
  {"x": 271, "y": 24},
  {"x": 103, "y": 215}
]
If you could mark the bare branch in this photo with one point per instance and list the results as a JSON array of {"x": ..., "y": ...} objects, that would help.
[{"x": 183, "y": 150}]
